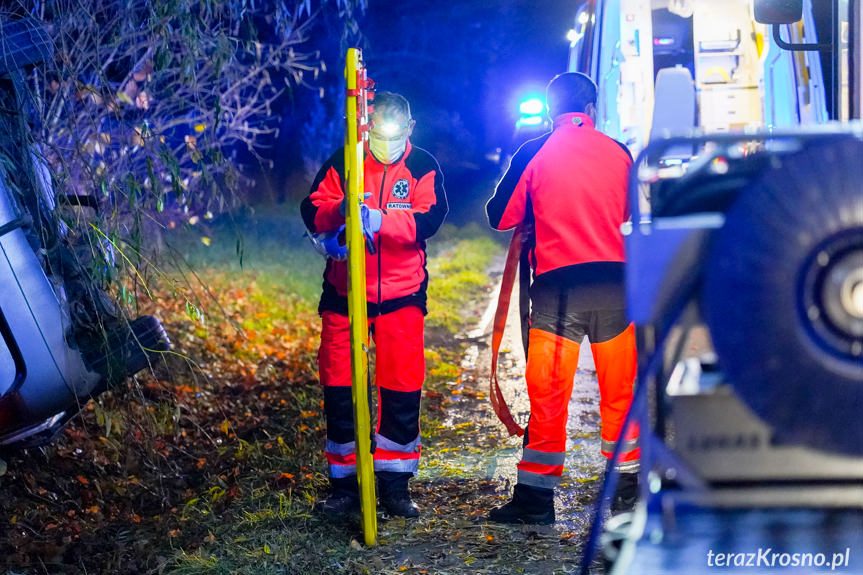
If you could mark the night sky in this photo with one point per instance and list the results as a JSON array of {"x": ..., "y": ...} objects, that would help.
[{"x": 464, "y": 65}]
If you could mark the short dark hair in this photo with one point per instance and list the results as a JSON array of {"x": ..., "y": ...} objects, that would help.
[
  {"x": 392, "y": 102},
  {"x": 569, "y": 92}
]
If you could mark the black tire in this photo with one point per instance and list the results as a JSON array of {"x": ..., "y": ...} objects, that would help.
[{"x": 795, "y": 362}]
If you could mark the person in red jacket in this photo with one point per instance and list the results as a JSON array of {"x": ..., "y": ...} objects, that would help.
[
  {"x": 570, "y": 186},
  {"x": 407, "y": 204}
]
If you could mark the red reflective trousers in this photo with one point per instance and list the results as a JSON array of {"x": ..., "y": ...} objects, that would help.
[{"x": 399, "y": 372}]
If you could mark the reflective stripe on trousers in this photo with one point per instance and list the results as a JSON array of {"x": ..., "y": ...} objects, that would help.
[
  {"x": 392, "y": 456},
  {"x": 388, "y": 456},
  {"x": 341, "y": 458},
  {"x": 540, "y": 468},
  {"x": 629, "y": 455}
]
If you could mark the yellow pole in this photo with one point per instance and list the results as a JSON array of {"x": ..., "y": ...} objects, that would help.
[{"x": 356, "y": 115}]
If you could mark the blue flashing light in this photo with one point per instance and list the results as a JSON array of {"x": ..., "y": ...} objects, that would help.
[{"x": 531, "y": 107}]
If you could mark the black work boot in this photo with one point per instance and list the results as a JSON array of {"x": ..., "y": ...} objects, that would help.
[
  {"x": 625, "y": 494},
  {"x": 344, "y": 497},
  {"x": 528, "y": 505},
  {"x": 394, "y": 495}
]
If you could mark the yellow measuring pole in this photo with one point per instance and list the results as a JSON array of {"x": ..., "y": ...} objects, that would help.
[{"x": 357, "y": 116}]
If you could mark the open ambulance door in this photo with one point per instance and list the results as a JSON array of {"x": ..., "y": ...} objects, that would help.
[{"x": 672, "y": 66}]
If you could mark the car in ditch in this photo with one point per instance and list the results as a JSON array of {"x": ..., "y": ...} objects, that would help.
[{"x": 62, "y": 339}]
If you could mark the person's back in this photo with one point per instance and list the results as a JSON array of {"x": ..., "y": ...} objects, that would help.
[
  {"x": 576, "y": 184},
  {"x": 569, "y": 188}
]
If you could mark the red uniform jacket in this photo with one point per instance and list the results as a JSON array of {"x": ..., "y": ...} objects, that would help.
[
  {"x": 411, "y": 195},
  {"x": 572, "y": 184}
]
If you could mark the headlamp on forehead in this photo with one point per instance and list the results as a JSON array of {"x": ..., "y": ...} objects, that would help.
[{"x": 390, "y": 129}]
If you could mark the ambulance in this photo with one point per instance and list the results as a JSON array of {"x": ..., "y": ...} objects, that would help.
[{"x": 744, "y": 279}]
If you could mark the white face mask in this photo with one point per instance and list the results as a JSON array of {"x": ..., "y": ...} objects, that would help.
[{"x": 387, "y": 151}]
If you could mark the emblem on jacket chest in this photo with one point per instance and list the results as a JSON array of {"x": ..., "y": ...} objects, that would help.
[{"x": 401, "y": 189}]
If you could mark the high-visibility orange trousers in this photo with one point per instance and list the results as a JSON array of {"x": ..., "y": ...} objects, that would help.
[{"x": 551, "y": 365}]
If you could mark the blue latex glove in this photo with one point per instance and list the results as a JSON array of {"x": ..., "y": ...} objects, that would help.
[
  {"x": 335, "y": 246},
  {"x": 343, "y": 207},
  {"x": 372, "y": 220},
  {"x": 330, "y": 244}
]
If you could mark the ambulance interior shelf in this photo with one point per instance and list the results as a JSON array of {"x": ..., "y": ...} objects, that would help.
[
  {"x": 726, "y": 67},
  {"x": 706, "y": 47},
  {"x": 716, "y": 42}
]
